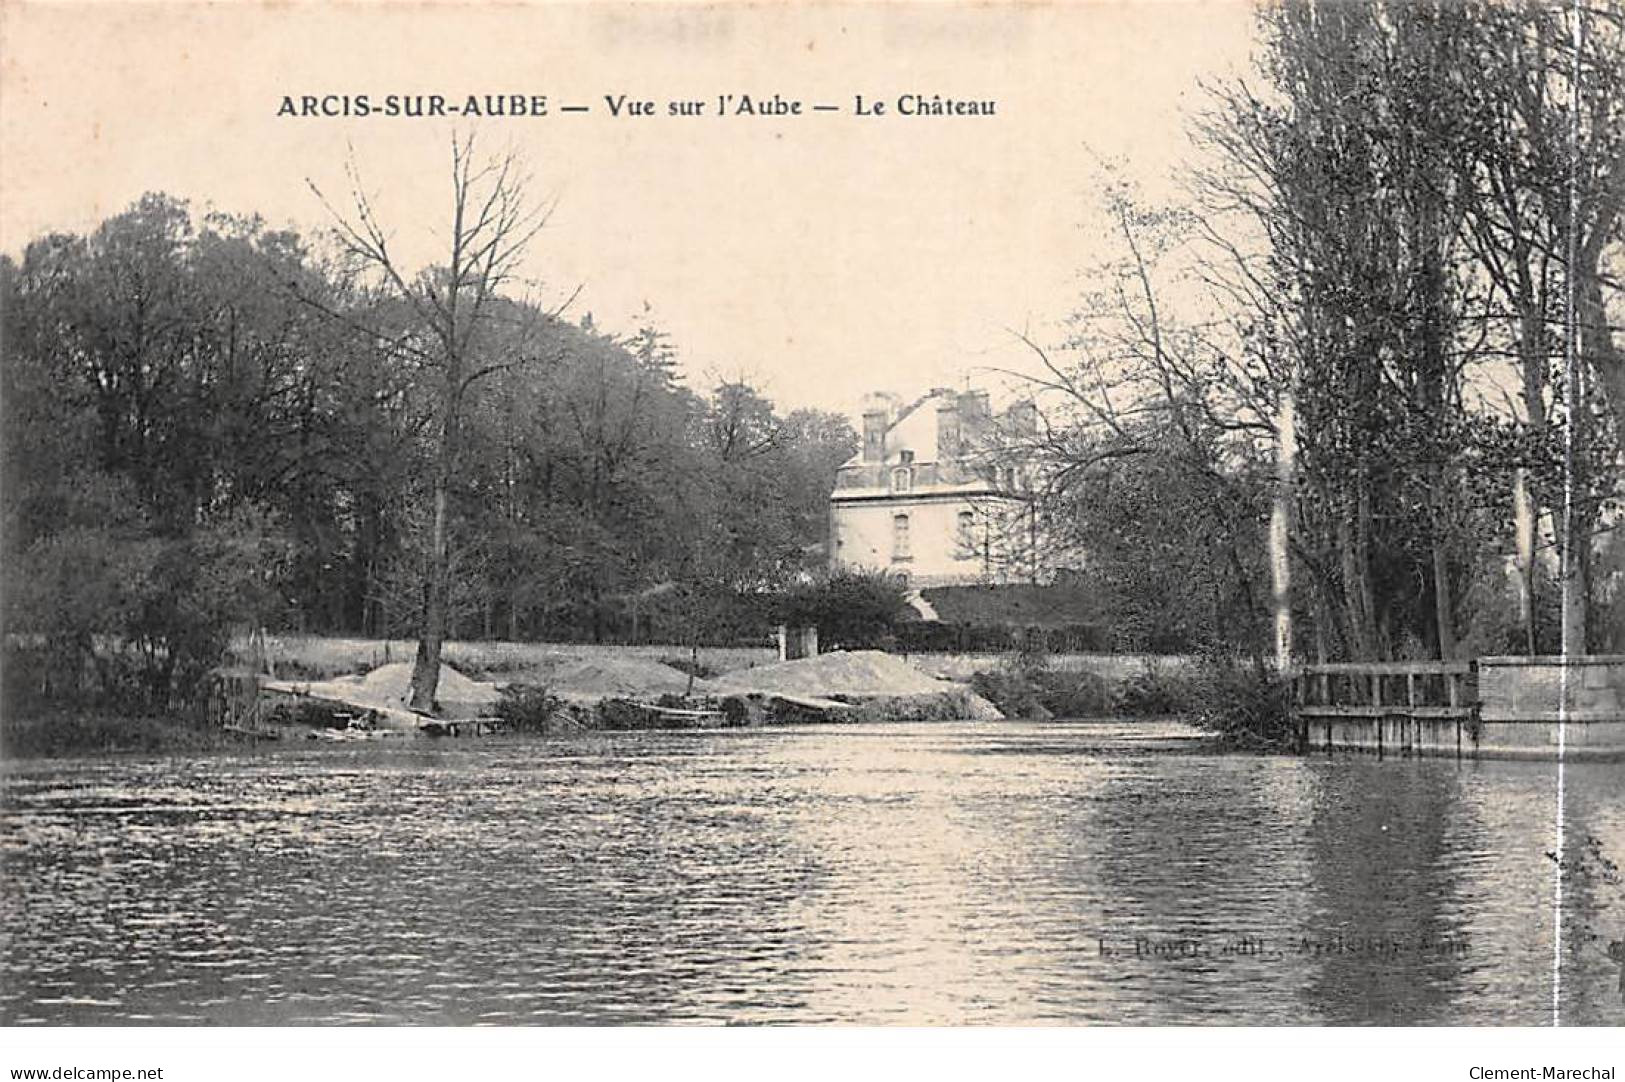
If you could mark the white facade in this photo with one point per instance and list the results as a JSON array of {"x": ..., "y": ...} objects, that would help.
[{"x": 934, "y": 496}]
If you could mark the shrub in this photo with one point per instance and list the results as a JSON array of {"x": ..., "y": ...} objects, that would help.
[
  {"x": 78, "y": 732},
  {"x": 741, "y": 711},
  {"x": 1026, "y": 686},
  {"x": 1021, "y": 687},
  {"x": 1249, "y": 704},
  {"x": 951, "y": 705},
  {"x": 120, "y": 618},
  {"x": 529, "y": 709},
  {"x": 1014, "y": 691},
  {"x": 1154, "y": 691},
  {"x": 1078, "y": 693},
  {"x": 851, "y": 609}
]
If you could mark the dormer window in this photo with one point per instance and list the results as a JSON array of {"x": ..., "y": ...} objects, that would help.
[{"x": 902, "y": 478}]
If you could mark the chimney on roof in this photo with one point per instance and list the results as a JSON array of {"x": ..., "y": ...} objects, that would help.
[
  {"x": 1022, "y": 419},
  {"x": 975, "y": 418},
  {"x": 876, "y": 419},
  {"x": 949, "y": 444}
]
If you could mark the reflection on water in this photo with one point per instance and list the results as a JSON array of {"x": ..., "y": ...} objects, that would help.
[{"x": 963, "y": 873}]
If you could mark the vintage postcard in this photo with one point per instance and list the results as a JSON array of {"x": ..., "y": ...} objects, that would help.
[{"x": 852, "y": 514}]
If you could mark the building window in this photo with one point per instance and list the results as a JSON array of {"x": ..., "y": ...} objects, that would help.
[
  {"x": 902, "y": 479},
  {"x": 966, "y": 537},
  {"x": 899, "y": 538}
]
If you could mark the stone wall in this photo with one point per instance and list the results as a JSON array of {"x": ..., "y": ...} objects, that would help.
[
  {"x": 1518, "y": 716},
  {"x": 1530, "y": 688}
]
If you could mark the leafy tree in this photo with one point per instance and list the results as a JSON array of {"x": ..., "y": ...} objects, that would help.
[
  {"x": 852, "y": 609},
  {"x": 210, "y": 425},
  {"x": 1377, "y": 226}
]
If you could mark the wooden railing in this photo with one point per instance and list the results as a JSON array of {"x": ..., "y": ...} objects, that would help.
[{"x": 1418, "y": 689}]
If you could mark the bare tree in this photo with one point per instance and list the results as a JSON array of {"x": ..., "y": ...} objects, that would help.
[{"x": 458, "y": 331}]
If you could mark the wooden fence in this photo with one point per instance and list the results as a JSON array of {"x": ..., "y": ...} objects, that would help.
[{"x": 1404, "y": 705}]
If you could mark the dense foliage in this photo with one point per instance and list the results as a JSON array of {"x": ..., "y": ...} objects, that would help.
[
  {"x": 1370, "y": 272},
  {"x": 199, "y": 436},
  {"x": 852, "y": 609}
]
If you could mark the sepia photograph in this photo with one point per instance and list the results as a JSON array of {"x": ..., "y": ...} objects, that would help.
[{"x": 1097, "y": 515}]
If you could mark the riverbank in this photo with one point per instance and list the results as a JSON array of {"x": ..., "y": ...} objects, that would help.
[
  {"x": 621, "y": 692},
  {"x": 1053, "y": 685},
  {"x": 319, "y": 657},
  {"x": 552, "y": 688},
  {"x": 61, "y": 733}
]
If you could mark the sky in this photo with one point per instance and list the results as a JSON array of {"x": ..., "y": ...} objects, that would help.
[{"x": 822, "y": 256}]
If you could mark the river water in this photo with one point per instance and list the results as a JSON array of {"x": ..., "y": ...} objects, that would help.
[{"x": 923, "y": 874}]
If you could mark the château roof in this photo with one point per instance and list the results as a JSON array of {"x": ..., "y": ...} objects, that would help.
[{"x": 913, "y": 429}]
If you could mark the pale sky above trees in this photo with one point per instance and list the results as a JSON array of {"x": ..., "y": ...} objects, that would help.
[{"x": 821, "y": 257}]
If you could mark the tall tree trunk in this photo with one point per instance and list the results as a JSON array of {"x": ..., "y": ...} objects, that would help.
[
  {"x": 1591, "y": 313},
  {"x": 1443, "y": 607},
  {"x": 1523, "y": 517},
  {"x": 436, "y": 602},
  {"x": 426, "y": 666},
  {"x": 1433, "y": 386},
  {"x": 1532, "y": 357},
  {"x": 1354, "y": 544},
  {"x": 1280, "y": 531},
  {"x": 1576, "y": 589}
]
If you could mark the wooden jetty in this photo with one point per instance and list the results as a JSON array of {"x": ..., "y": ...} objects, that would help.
[{"x": 1403, "y": 707}]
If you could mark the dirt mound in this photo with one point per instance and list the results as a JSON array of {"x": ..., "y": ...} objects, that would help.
[
  {"x": 385, "y": 690},
  {"x": 392, "y": 682},
  {"x": 620, "y": 677},
  {"x": 858, "y": 672}
]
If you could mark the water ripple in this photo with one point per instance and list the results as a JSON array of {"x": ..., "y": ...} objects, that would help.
[{"x": 920, "y": 874}]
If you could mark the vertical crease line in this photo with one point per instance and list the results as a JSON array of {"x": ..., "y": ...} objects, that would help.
[{"x": 1570, "y": 408}]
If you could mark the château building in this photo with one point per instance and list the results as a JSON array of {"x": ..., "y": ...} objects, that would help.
[{"x": 939, "y": 493}]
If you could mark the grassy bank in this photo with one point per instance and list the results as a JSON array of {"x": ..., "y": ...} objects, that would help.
[
  {"x": 57, "y": 734},
  {"x": 315, "y": 657}
]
